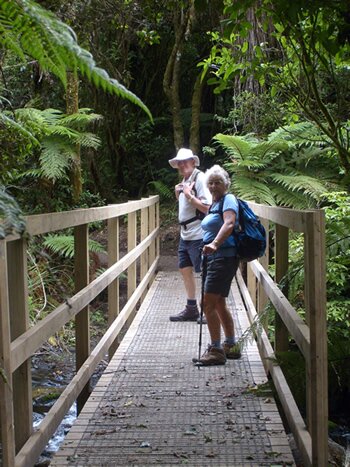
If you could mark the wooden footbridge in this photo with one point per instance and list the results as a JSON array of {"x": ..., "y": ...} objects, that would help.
[{"x": 151, "y": 405}]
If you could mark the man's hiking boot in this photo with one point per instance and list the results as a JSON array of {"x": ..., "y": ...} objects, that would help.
[
  {"x": 212, "y": 356},
  {"x": 190, "y": 313},
  {"x": 232, "y": 352}
]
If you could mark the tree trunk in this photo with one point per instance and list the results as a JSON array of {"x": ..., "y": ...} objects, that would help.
[
  {"x": 171, "y": 79},
  {"x": 195, "y": 144},
  {"x": 72, "y": 106}
]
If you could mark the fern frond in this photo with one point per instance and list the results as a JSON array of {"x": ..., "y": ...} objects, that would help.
[
  {"x": 27, "y": 28},
  {"x": 302, "y": 133},
  {"x": 81, "y": 119},
  {"x": 300, "y": 182},
  {"x": 10, "y": 123},
  {"x": 54, "y": 161},
  {"x": 235, "y": 146},
  {"x": 292, "y": 199},
  {"x": 162, "y": 189},
  {"x": 63, "y": 245},
  {"x": 252, "y": 190},
  {"x": 89, "y": 140}
]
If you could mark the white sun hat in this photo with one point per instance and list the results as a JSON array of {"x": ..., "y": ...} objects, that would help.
[{"x": 183, "y": 154}]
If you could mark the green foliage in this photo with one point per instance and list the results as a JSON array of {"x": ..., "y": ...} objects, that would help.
[
  {"x": 281, "y": 169},
  {"x": 63, "y": 245},
  {"x": 59, "y": 135},
  {"x": 28, "y": 29},
  {"x": 163, "y": 190},
  {"x": 11, "y": 219},
  {"x": 337, "y": 212},
  {"x": 303, "y": 62}
]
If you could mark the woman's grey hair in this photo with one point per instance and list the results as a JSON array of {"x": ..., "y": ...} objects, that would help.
[{"x": 218, "y": 171}]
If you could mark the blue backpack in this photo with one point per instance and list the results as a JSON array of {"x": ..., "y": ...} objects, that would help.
[{"x": 250, "y": 237}]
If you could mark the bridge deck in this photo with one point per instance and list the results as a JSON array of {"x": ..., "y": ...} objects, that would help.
[{"x": 152, "y": 406}]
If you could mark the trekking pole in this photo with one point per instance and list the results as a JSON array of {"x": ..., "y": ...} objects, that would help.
[{"x": 203, "y": 275}]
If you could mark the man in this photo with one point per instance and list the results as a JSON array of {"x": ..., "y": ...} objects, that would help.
[{"x": 194, "y": 200}]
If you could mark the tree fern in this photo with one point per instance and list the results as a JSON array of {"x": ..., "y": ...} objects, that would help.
[
  {"x": 28, "y": 29},
  {"x": 59, "y": 136},
  {"x": 280, "y": 170}
]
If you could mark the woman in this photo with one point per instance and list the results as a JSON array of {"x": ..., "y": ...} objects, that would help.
[{"x": 221, "y": 266}]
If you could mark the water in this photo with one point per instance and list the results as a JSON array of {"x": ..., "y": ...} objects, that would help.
[{"x": 57, "y": 438}]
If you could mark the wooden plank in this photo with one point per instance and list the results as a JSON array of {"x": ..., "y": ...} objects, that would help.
[
  {"x": 37, "y": 442},
  {"x": 296, "y": 326},
  {"x": 315, "y": 305},
  {"x": 82, "y": 319},
  {"x": 152, "y": 226},
  {"x": 132, "y": 241},
  {"x": 19, "y": 320},
  {"x": 281, "y": 269},
  {"x": 6, "y": 404},
  {"x": 44, "y": 223},
  {"x": 290, "y": 408},
  {"x": 143, "y": 234},
  {"x": 113, "y": 288},
  {"x": 25, "y": 345},
  {"x": 262, "y": 298},
  {"x": 251, "y": 284},
  {"x": 291, "y": 218}
]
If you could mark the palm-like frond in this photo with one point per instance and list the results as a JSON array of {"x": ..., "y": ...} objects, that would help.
[
  {"x": 252, "y": 190},
  {"x": 55, "y": 159},
  {"x": 294, "y": 199},
  {"x": 235, "y": 146},
  {"x": 11, "y": 220},
  {"x": 63, "y": 245},
  {"x": 81, "y": 119},
  {"x": 27, "y": 28},
  {"x": 21, "y": 129},
  {"x": 162, "y": 189},
  {"x": 294, "y": 181}
]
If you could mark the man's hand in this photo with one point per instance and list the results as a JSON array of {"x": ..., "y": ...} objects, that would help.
[{"x": 187, "y": 189}]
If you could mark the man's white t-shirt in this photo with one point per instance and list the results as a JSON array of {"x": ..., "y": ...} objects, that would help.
[{"x": 193, "y": 230}]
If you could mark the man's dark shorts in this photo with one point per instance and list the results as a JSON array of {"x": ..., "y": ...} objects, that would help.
[
  {"x": 189, "y": 254},
  {"x": 220, "y": 272}
]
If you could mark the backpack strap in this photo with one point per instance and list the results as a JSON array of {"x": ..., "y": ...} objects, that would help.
[
  {"x": 199, "y": 215},
  {"x": 219, "y": 209}
]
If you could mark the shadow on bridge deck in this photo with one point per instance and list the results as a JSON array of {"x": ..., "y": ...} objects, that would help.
[{"x": 152, "y": 406}]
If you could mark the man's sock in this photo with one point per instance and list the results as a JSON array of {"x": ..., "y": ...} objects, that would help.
[
  {"x": 191, "y": 302},
  {"x": 230, "y": 340},
  {"x": 216, "y": 344}
]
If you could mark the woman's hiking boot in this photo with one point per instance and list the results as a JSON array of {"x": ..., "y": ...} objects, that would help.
[
  {"x": 190, "y": 313},
  {"x": 203, "y": 319},
  {"x": 232, "y": 352},
  {"x": 212, "y": 356}
]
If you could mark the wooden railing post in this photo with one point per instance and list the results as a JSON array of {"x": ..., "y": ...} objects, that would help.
[
  {"x": 82, "y": 320},
  {"x": 281, "y": 269},
  {"x": 19, "y": 321},
  {"x": 113, "y": 288},
  {"x": 6, "y": 401},
  {"x": 315, "y": 305}
]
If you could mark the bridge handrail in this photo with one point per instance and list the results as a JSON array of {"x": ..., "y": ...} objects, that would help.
[
  {"x": 309, "y": 335},
  {"x": 19, "y": 341}
]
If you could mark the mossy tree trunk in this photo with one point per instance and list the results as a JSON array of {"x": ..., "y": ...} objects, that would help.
[{"x": 72, "y": 106}]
